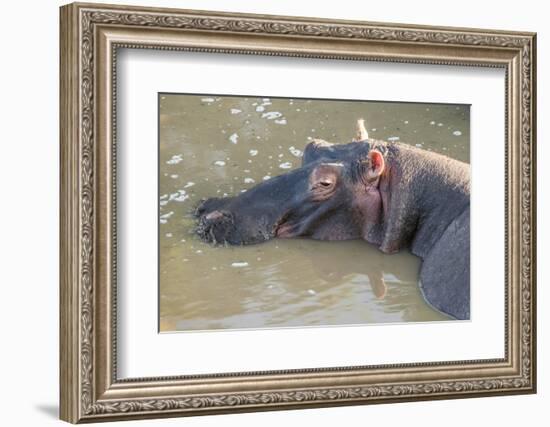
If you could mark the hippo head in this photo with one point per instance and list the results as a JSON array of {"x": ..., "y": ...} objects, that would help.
[{"x": 334, "y": 195}]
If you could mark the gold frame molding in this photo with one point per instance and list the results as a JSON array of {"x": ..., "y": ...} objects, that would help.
[{"x": 90, "y": 37}]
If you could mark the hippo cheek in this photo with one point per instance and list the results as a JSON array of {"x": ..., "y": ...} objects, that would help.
[
  {"x": 368, "y": 209},
  {"x": 333, "y": 224}
]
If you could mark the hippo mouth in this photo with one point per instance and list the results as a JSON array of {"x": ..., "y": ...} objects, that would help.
[{"x": 283, "y": 227}]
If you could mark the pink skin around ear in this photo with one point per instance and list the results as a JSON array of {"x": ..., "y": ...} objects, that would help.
[
  {"x": 376, "y": 166},
  {"x": 368, "y": 200}
]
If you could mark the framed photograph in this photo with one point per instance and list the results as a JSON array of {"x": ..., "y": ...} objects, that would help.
[{"x": 267, "y": 212}]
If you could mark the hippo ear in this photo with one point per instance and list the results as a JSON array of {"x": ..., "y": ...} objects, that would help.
[
  {"x": 376, "y": 165},
  {"x": 362, "y": 134}
]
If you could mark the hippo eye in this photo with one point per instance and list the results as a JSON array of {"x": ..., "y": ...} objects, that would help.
[{"x": 323, "y": 180}]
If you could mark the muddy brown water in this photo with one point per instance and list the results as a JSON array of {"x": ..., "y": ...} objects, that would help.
[{"x": 219, "y": 146}]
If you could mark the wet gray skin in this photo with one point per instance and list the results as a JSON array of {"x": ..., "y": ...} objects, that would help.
[{"x": 282, "y": 282}]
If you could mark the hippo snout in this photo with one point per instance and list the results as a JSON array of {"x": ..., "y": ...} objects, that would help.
[{"x": 216, "y": 226}]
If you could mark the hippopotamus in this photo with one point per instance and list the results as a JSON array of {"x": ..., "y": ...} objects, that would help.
[{"x": 392, "y": 195}]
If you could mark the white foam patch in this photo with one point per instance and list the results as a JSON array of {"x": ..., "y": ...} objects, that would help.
[
  {"x": 219, "y": 163},
  {"x": 253, "y": 152},
  {"x": 189, "y": 184},
  {"x": 239, "y": 264},
  {"x": 281, "y": 121},
  {"x": 236, "y": 111},
  {"x": 393, "y": 138},
  {"x": 285, "y": 165},
  {"x": 234, "y": 138},
  {"x": 295, "y": 152},
  {"x": 175, "y": 159},
  {"x": 457, "y": 133},
  {"x": 270, "y": 115},
  {"x": 164, "y": 218},
  {"x": 207, "y": 100},
  {"x": 260, "y": 108},
  {"x": 178, "y": 196},
  {"x": 248, "y": 180}
]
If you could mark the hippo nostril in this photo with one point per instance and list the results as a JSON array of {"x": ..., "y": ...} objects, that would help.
[
  {"x": 212, "y": 216},
  {"x": 215, "y": 227}
]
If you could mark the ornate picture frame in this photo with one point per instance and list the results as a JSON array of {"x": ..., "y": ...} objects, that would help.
[{"x": 90, "y": 37}]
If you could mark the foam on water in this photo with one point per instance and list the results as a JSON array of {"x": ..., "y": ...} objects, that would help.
[
  {"x": 175, "y": 159},
  {"x": 234, "y": 138},
  {"x": 239, "y": 264},
  {"x": 270, "y": 115},
  {"x": 178, "y": 196},
  {"x": 295, "y": 152},
  {"x": 164, "y": 218}
]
